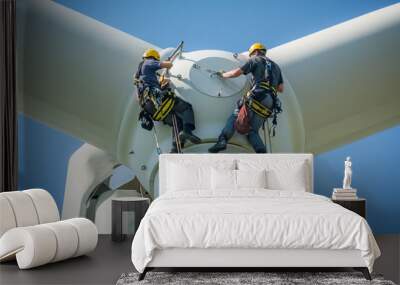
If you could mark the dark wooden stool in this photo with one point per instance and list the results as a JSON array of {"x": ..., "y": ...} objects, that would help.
[{"x": 139, "y": 205}]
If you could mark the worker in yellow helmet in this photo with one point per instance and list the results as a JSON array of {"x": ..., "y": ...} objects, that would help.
[
  {"x": 261, "y": 100},
  {"x": 154, "y": 95}
]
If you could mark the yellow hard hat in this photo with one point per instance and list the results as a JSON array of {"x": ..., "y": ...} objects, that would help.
[
  {"x": 151, "y": 53},
  {"x": 257, "y": 46}
]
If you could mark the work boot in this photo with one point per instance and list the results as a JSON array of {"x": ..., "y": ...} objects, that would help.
[
  {"x": 188, "y": 135},
  {"x": 219, "y": 146}
]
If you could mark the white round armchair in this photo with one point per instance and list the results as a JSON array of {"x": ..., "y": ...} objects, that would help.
[{"x": 31, "y": 230}]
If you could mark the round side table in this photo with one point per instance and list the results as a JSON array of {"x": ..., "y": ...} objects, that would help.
[{"x": 138, "y": 205}]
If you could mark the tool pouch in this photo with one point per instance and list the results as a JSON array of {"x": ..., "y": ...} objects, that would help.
[{"x": 242, "y": 123}]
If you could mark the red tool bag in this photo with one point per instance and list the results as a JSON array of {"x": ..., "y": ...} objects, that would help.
[{"x": 242, "y": 123}]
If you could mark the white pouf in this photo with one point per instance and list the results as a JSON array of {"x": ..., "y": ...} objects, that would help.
[
  {"x": 31, "y": 232},
  {"x": 7, "y": 220}
]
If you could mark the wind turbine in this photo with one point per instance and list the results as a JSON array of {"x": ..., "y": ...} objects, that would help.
[{"x": 75, "y": 74}]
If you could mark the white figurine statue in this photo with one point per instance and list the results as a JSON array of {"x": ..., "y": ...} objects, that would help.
[{"x": 347, "y": 173}]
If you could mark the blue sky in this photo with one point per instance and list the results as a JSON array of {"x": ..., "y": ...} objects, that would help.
[
  {"x": 227, "y": 25},
  {"x": 232, "y": 26}
]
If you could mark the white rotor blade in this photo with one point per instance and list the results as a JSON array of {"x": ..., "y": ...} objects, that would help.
[
  {"x": 346, "y": 78},
  {"x": 75, "y": 73}
]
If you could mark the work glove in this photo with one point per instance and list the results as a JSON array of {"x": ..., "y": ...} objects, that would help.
[{"x": 219, "y": 73}]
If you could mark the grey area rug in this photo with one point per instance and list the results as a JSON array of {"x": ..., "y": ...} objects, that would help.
[{"x": 243, "y": 278}]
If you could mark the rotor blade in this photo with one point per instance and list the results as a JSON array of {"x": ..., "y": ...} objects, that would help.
[
  {"x": 346, "y": 78},
  {"x": 75, "y": 73}
]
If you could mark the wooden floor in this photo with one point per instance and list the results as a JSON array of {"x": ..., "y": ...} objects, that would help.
[
  {"x": 389, "y": 262},
  {"x": 103, "y": 266},
  {"x": 110, "y": 260}
]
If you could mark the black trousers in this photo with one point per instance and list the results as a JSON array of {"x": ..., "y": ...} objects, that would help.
[
  {"x": 184, "y": 114},
  {"x": 182, "y": 110}
]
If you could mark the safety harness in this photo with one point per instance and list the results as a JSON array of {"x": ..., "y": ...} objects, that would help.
[
  {"x": 165, "y": 107},
  {"x": 257, "y": 107},
  {"x": 147, "y": 94}
]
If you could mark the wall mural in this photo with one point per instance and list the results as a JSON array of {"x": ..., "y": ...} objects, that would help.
[{"x": 97, "y": 102}]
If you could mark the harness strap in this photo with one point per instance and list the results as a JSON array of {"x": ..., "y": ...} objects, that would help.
[
  {"x": 164, "y": 109},
  {"x": 265, "y": 85},
  {"x": 138, "y": 73},
  {"x": 258, "y": 108},
  {"x": 144, "y": 96}
]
